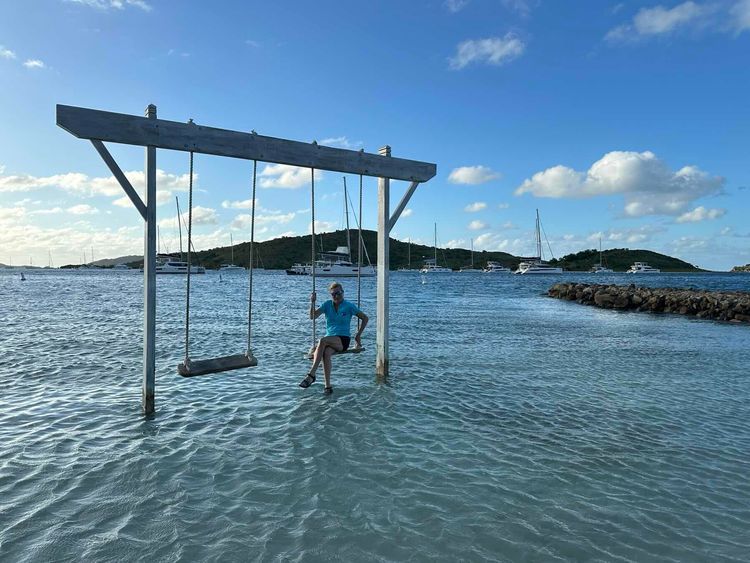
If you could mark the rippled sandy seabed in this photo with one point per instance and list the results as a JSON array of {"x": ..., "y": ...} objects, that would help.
[{"x": 513, "y": 427}]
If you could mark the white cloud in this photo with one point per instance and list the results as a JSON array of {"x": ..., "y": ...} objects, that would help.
[
  {"x": 342, "y": 142},
  {"x": 700, "y": 214},
  {"x": 82, "y": 209},
  {"x": 522, "y": 7},
  {"x": 494, "y": 51},
  {"x": 244, "y": 220},
  {"x": 647, "y": 183},
  {"x": 52, "y": 211},
  {"x": 740, "y": 16},
  {"x": 6, "y": 54},
  {"x": 472, "y": 175},
  {"x": 287, "y": 177},
  {"x": 243, "y": 204},
  {"x": 476, "y": 206},
  {"x": 83, "y": 185},
  {"x": 477, "y": 225},
  {"x": 508, "y": 225},
  {"x": 252, "y": 43},
  {"x": 503, "y": 205},
  {"x": 114, "y": 4},
  {"x": 201, "y": 216},
  {"x": 640, "y": 234},
  {"x": 12, "y": 213},
  {"x": 323, "y": 226},
  {"x": 659, "y": 21},
  {"x": 408, "y": 212},
  {"x": 455, "y": 5},
  {"x": 455, "y": 243},
  {"x": 34, "y": 63}
]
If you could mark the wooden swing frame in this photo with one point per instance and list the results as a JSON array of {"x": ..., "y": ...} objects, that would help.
[{"x": 102, "y": 126}]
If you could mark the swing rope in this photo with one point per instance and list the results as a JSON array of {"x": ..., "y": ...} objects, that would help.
[
  {"x": 312, "y": 244},
  {"x": 250, "y": 275},
  {"x": 359, "y": 255},
  {"x": 190, "y": 368},
  {"x": 189, "y": 258}
]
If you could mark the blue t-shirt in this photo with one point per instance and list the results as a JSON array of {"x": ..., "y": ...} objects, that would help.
[{"x": 338, "y": 322}]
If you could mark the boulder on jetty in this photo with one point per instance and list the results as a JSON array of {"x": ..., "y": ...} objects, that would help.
[{"x": 731, "y": 306}]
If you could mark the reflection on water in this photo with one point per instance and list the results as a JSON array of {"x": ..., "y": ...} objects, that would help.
[{"x": 512, "y": 427}]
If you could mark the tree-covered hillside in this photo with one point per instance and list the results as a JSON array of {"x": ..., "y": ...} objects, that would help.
[{"x": 620, "y": 259}]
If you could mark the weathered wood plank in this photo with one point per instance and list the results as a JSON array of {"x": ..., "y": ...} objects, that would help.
[
  {"x": 149, "y": 280},
  {"x": 216, "y": 365},
  {"x": 117, "y": 173},
  {"x": 402, "y": 205},
  {"x": 135, "y": 130}
]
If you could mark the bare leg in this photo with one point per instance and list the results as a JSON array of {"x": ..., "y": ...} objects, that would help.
[
  {"x": 327, "y": 365},
  {"x": 328, "y": 342}
]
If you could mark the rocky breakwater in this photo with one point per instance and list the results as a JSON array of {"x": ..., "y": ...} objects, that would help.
[{"x": 731, "y": 306}]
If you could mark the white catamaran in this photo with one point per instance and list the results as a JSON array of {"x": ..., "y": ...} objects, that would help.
[
  {"x": 471, "y": 269},
  {"x": 231, "y": 267},
  {"x": 431, "y": 265},
  {"x": 337, "y": 263},
  {"x": 537, "y": 265},
  {"x": 601, "y": 268}
]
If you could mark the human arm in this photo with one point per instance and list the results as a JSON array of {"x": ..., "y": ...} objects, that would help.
[
  {"x": 314, "y": 313},
  {"x": 358, "y": 337}
]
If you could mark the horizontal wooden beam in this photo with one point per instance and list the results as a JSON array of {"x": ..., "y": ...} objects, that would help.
[{"x": 136, "y": 130}]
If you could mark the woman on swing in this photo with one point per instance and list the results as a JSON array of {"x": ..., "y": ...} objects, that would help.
[{"x": 339, "y": 313}]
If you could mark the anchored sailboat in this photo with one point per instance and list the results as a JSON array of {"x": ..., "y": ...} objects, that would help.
[
  {"x": 471, "y": 268},
  {"x": 537, "y": 265},
  {"x": 600, "y": 268},
  {"x": 431, "y": 264},
  {"x": 231, "y": 267}
]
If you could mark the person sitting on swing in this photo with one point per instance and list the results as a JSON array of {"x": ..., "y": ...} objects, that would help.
[{"x": 339, "y": 313}]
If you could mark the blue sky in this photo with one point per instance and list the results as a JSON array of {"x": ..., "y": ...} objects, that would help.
[{"x": 625, "y": 120}]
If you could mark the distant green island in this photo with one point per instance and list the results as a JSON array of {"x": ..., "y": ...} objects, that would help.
[
  {"x": 281, "y": 253},
  {"x": 745, "y": 268}
]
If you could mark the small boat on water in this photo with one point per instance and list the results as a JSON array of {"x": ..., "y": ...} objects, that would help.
[
  {"x": 642, "y": 268},
  {"x": 232, "y": 267},
  {"x": 471, "y": 269},
  {"x": 337, "y": 263},
  {"x": 431, "y": 265},
  {"x": 496, "y": 268},
  {"x": 176, "y": 267},
  {"x": 537, "y": 265},
  {"x": 121, "y": 267},
  {"x": 600, "y": 268}
]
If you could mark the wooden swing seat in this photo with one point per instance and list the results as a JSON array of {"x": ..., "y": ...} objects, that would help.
[
  {"x": 355, "y": 350},
  {"x": 216, "y": 365}
]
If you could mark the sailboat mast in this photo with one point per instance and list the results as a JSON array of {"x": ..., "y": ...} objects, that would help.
[
  {"x": 538, "y": 238},
  {"x": 435, "y": 244},
  {"x": 346, "y": 212}
]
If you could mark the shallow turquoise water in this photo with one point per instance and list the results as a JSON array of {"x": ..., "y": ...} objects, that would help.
[{"x": 512, "y": 427}]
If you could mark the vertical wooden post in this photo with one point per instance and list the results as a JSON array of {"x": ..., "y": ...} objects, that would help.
[
  {"x": 149, "y": 278},
  {"x": 384, "y": 192}
]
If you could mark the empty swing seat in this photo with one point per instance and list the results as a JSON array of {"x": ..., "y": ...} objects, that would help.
[{"x": 216, "y": 365}]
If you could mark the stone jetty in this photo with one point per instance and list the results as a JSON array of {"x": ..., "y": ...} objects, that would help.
[{"x": 731, "y": 306}]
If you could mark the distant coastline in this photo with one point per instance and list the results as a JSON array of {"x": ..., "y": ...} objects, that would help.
[{"x": 282, "y": 252}]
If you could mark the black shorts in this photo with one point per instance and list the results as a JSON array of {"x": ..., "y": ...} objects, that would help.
[{"x": 345, "y": 340}]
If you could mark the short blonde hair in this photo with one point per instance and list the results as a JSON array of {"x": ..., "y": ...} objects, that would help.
[{"x": 334, "y": 285}]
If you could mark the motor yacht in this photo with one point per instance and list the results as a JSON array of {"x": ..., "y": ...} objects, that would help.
[
  {"x": 642, "y": 268},
  {"x": 496, "y": 268}
]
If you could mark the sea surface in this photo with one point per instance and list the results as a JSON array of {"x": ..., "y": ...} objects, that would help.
[{"x": 512, "y": 427}]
